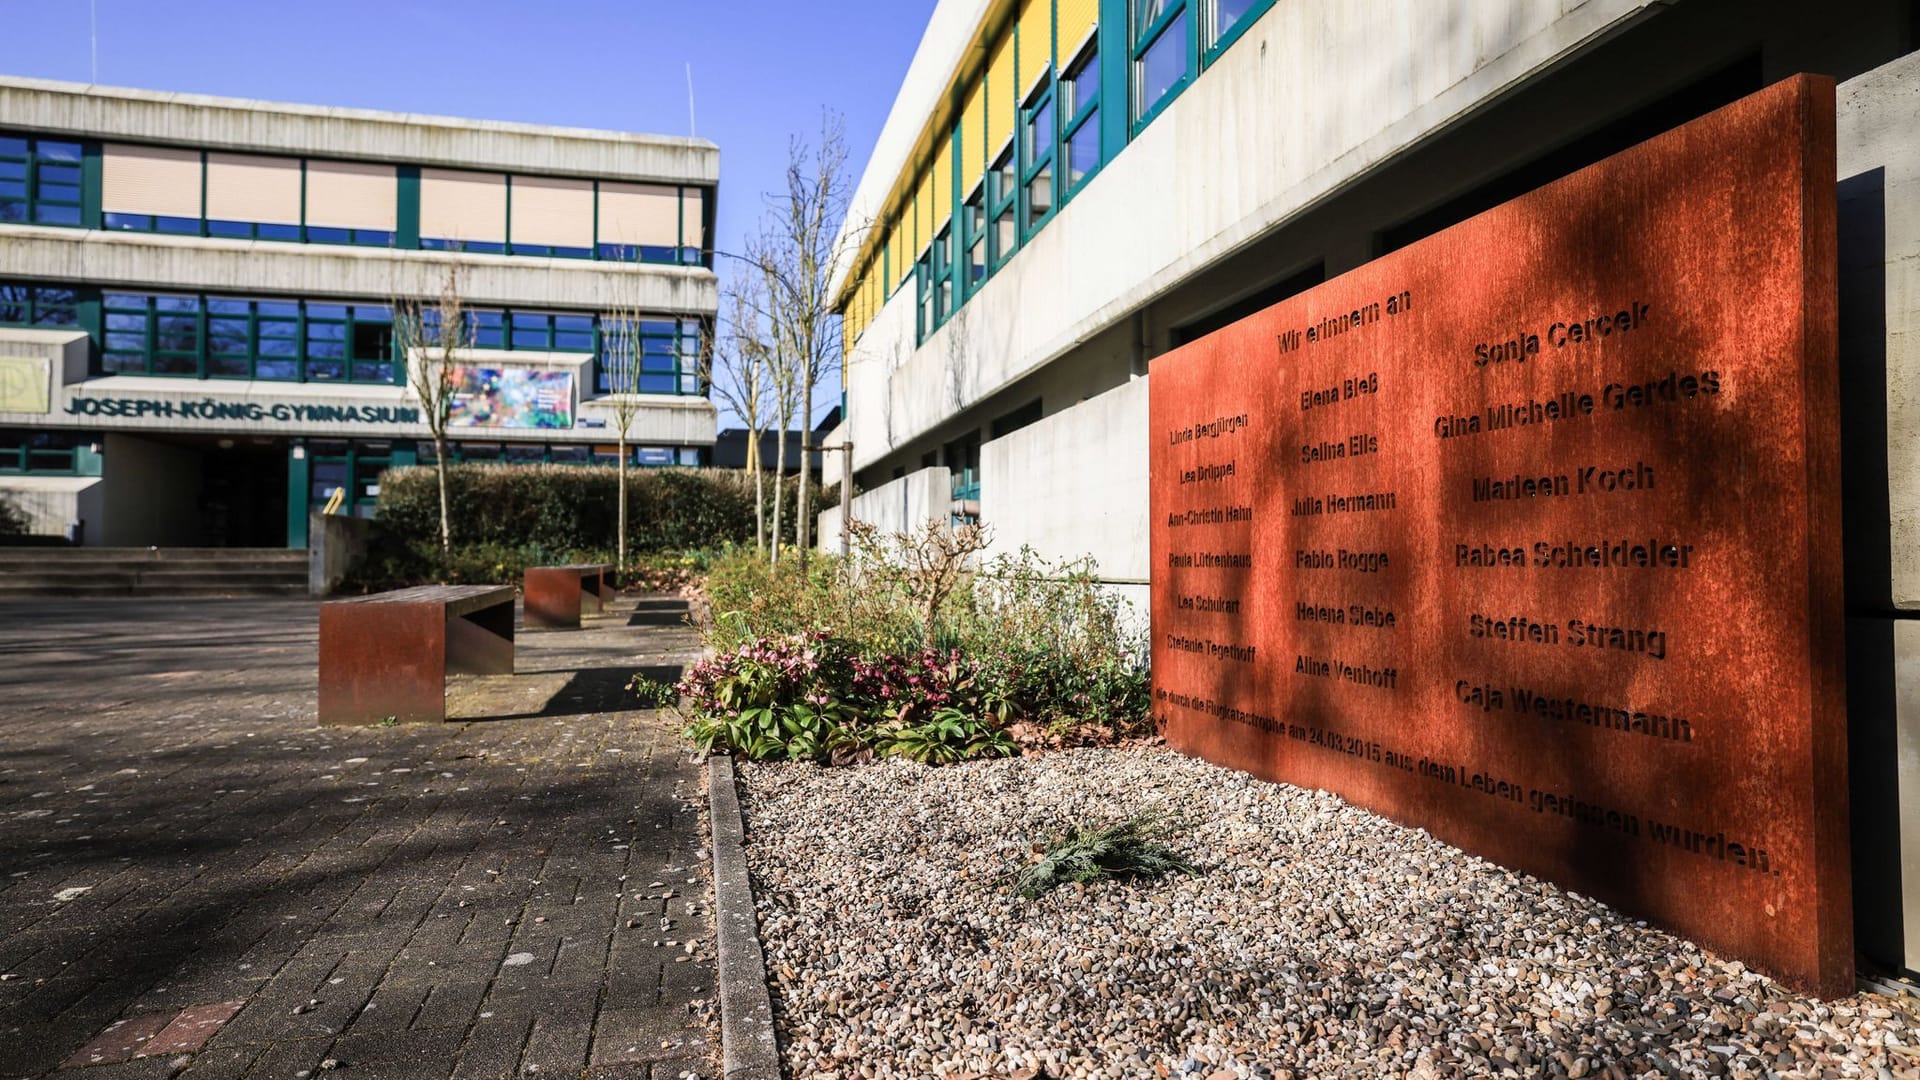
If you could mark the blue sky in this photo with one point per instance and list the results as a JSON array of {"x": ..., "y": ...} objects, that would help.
[{"x": 762, "y": 69}]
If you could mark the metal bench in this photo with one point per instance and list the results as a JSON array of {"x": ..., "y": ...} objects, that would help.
[
  {"x": 558, "y": 595},
  {"x": 388, "y": 655}
]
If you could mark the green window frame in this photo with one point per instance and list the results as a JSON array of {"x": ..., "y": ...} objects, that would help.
[
  {"x": 41, "y": 180},
  {"x": 1162, "y": 36},
  {"x": 1038, "y": 136},
  {"x": 941, "y": 266},
  {"x": 923, "y": 284},
  {"x": 236, "y": 337},
  {"x": 1003, "y": 208},
  {"x": 1240, "y": 15},
  {"x": 1078, "y": 95},
  {"x": 669, "y": 351},
  {"x": 22, "y": 304},
  {"x": 973, "y": 232}
]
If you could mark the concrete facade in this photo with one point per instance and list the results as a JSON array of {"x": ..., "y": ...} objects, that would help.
[
  {"x": 898, "y": 506},
  {"x": 218, "y": 427}
]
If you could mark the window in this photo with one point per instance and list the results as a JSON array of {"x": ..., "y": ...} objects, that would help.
[
  {"x": 1162, "y": 55},
  {"x": 1226, "y": 18},
  {"x": 38, "y": 305},
  {"x": 942, "y": 276},
  {"x": 923, "y": 277},
  {"x": 1080, "y": 106},
  {"x": 39, "y": 181},
  {"x": 973, "y": 224},
  {"x": 653, "y": 355},
  {"x": 1004, "y": 194},
  {"x": 1036, "y": 161}
]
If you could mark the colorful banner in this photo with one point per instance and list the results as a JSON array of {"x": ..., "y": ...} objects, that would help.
[{"x": 511, "y": 398}]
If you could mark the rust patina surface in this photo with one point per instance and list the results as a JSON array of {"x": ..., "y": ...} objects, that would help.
[
  {"x": 556, "y": 596},
  {"x": 1528, "y": 534},
  {"x": 389, "y": 655}
]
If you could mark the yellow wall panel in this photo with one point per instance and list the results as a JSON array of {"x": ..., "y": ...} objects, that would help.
[
  {"x": 1073, "y": 19},
  {"x": 923, "y": 213},
  {"x": 1001, "y": 97},
  {"x": 942, "y": 181},
  {"x": 973, "y": 146},
  {"x": 1036, "y": 42}
]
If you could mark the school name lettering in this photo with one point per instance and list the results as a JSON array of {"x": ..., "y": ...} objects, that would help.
[{"x": 209, "y": 409}]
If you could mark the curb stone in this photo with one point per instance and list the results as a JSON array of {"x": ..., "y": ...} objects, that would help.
[{"x": 747, "y": 1047}]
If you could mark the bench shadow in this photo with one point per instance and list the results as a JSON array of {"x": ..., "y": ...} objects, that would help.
[
  {"x": 544, "y": 695},
  {"x": 661, "y": 617}
]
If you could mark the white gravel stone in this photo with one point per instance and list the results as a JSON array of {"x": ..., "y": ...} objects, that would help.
[{"x": 1318, "y": 940}]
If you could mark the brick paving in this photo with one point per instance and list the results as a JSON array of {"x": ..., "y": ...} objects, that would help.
[{"x": 198, "y": 881}]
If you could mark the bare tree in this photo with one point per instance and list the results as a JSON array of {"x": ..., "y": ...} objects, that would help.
[
  {"x": 800, "y": 247},
  {"x": 429, "y": 335},
  {"x": 621, "y": 354},
  {"x": 737, "y": 370},
  {"x": 783, "y": 389}
]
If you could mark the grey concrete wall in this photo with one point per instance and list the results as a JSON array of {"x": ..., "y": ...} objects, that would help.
[
  {"x": 1879, "y": 159},
  {"x": 52, "y": 502},
  {"x": 1879, "y": 194},
  {"x": 46, "y": 253},
  {"x": 152, "y": 495},
  {"x": 1074, "y": 485},
  {"x": 272, "y": 127},
  {"x": 902, "y": 505},
  {"x": 335, "y": 545}
]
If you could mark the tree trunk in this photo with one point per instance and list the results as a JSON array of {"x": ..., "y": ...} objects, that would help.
[
  {"x": 759, "y": 491},
  {"x": 446, "y": 530},
  {"x": 779, "y": 485},
  {"x": 803, "y": 529},
  {"x": 620, "y": 532}
]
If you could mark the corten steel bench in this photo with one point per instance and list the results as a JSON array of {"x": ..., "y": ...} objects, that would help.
[
  {"x": 557, "y": 595},
  {"x": 388, "y": 655}
]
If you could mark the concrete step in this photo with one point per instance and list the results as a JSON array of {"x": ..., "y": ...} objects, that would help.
[
  {"x": 152, "y": 572},
  {"x": 11, "y": 556},
  {"x": 12, "y": 591}
]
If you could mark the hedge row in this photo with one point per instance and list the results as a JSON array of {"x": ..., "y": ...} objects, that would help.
[{"x": 568, "y": 508}]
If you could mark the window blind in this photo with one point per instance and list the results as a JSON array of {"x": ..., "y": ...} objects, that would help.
[
  {"x": 1074, "y": 18},
  {"x": 552, "y": 212},
  {"x": 1036, "y": 42},
  {"x": 244, "y": 187},
  {"x": 639, "y": 214},
  {"x": 352, "y": 195},
  {"x": 463, "y": 206},
  {"x": 161, "y": 181}
]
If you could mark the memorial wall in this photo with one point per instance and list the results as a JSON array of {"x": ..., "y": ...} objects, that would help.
[{"x": 1528, "y": 535}]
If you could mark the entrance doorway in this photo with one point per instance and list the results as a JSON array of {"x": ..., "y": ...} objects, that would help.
[{"x": 243, "y": 494}]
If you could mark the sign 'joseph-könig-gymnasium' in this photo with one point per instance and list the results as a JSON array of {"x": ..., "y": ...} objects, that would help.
[{"x": 1528, "y": 534}]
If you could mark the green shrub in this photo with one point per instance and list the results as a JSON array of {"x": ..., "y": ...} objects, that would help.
[
  {"x": 1131, "y": 848},
  {"x": 508, "y": 517},
  {"x": 936, "y": 665},
  {"x": 569, "y": 507}
]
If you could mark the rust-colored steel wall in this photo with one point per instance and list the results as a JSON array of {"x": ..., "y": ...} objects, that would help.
[
  {"x": 1528, "y": 534},
  {"x": 553, "y": 596}
]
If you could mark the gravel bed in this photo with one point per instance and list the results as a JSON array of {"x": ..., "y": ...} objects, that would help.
[{"x": 1318, "y": 940}]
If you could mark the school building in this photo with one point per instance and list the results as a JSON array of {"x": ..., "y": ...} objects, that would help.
[{"x": 196, "y": 326}]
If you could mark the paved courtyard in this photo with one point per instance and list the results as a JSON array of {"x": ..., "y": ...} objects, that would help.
[{"x": 192, "y": 870}]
